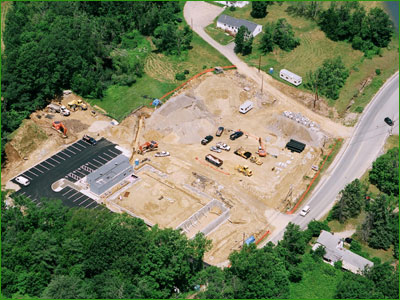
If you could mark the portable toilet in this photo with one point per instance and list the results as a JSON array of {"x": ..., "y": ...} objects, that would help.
[
  {"x": 271, "y": 70},
  {"x": 136, "y": 162}
]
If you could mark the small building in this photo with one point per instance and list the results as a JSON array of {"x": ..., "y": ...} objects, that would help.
[
  {"x": 334, "y": 251},
  {"x": 109, "y": 174},
  {"x": 291, "y": 77},
  {"x": 295, "y": 146},
  {"x": 246, "y": 106},
  {"x": 232, "y": 25},
  {"x": 234, "y": 3}
]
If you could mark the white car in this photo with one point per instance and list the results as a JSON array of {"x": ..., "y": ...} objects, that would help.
[
  {"x": 215, "y": 149},
  {"x": 161, "y": 154},
  {"x": 305, "y": 211},
  {"x": 223, "y": 146},
  {"x": 22, "y": 180},
  {"x": 64, "y": 111}
]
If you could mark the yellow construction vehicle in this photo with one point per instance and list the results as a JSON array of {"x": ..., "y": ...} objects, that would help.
[
  {"x": 256, "y": 160},
  {"x": 243, "y": 153},
  {"x": 74, "y": 104},
  {"x": 244, "y": 169}
]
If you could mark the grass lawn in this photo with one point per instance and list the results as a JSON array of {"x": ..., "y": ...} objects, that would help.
[
  {"x": 391, "y": 142},
  {"x": 319, "y": 280},
  {"x": 218, "y": 34},
  {"x": 159, "y": 78},
  {"x": 315, "y": 47}
]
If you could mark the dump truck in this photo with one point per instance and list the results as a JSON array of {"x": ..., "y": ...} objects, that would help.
[
  {"x": 74, "y": 104},
  {"x": 55, "y": 108},
  {"x": 244, "y": 169},
  {"x": 60, "y": 127},
  {"x": 243, "y": 153},
  {"x": 147, "y": 147}
]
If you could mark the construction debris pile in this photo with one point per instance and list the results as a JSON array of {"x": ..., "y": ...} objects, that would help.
[{"x": 299, "y": 118}]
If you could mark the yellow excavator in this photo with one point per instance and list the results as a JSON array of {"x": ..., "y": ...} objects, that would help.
[
  {"x": 256, "y": 160},
  {"x": 244, "y": 169}
]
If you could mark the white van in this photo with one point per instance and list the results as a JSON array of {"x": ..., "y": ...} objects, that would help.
[
  {"x": 246, "y": 106},
  {"x": 22, "y": 180},
  {"x": 305, "y": 211}
]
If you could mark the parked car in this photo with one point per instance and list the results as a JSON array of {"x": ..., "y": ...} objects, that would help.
[
  {"x": 215, "y": 149},
  {"x": 389, "y": 121},
  {"x": 22, "y": 180},
  {"x": 305, "y": 211},
  {"x": 89, "y": 139},
  {"x": 348, "y": 240},
  {"x": 206, "y": 140},
  {"x": 220, "y": 131},
  {"x": 161, "y": 154},
  {"x": 235, "y": 135},
  {"x": 223, "y": 146}
]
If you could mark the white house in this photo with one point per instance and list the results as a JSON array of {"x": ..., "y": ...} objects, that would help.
[
  {"x": 234, "y": 3},
  {"x": 232, "y": 24},
  {"x": 334, "y": 251},
  {"x": 291, "y": 77}
]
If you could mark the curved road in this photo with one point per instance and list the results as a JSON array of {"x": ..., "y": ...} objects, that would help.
[{"x": 357, "y": 154}]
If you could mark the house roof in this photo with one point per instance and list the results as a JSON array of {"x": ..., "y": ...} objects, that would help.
[
  {"x": 335, "y": 251},
  {"x": 237, "y": 22},
  {"x": 109, "y": 171}
]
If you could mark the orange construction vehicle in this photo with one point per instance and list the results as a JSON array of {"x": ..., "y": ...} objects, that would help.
[
  {"x": 148, "y": 146},
  {"x": 60, "y": 127},
  {"x": 261, "y": 149}
]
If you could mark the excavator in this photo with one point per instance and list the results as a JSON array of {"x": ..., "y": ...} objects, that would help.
[
  {"x": 77, "y": 104},
  {"x": 261, "y": 149},
  {"x": 244, "y": 169},
  {"x": 60, "y": 127},
  {"x": 148, "y": 146},
  {"x": 243, "y": 153}
]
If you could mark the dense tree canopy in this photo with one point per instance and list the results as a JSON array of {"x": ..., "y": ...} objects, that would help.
[
  {"x": 243, "y": 41},
  {"x": 259, "y": 8},
  {"x": 385, "y": 172},
  {"x": 284, "y": 35}
]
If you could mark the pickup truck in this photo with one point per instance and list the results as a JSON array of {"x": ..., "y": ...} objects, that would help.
[{"x": 59, "y": 109}]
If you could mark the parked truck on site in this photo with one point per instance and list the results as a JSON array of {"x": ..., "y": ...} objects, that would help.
[
  {"x": 214, "y": 160},
  {"x": 55, "y": 108}
]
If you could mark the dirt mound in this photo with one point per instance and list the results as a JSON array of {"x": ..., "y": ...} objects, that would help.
[
  {"x": 75, "y": 125},
  {"x": 188, "y": 118}
]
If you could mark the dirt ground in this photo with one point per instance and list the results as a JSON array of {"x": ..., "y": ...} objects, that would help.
[{"x": 187, "y": 182}]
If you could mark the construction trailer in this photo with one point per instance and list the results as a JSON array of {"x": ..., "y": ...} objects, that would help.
[
  {"x": 214, "y": 160},
  {"x": 109, "y": 174},
  {"x": 290, "y": 77},
  {"x": 295, "y": 146}
]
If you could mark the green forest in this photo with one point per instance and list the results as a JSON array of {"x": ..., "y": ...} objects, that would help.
[
  {"x": 56, "y": 252},
  {"x": 52, "y": 46}
]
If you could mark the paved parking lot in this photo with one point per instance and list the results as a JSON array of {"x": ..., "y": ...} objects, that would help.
[{"x": 72, "y": 163}]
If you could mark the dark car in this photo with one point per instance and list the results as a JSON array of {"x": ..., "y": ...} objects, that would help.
[
  {"x": 206, "y": 140},
  {"x": 348, "y": 240},
  {"x": 388, "y": 121},
  {"x": 220, "y": 131},
  {"x": 89, "y": 139},
  {"x": 235, "y": 135}
]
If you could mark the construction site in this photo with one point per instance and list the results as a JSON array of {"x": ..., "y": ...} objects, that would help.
[{"x": 238, "y": 194}]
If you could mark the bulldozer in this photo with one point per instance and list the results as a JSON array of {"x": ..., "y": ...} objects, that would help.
[
  {"x": 244, "y": 169},
  {"x": 60, "y": 127},
  {"x": 243, "y": 153},
  {"x": 261, "y": 149},
  {"x": 148, "y": 146},
  {"x": 256, "y": 160},
  {"x": 74, "y": 104}
]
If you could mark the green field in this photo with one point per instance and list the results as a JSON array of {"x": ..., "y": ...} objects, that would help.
[
  {"x": 159, "y": 78},
  {"x": 218, "y": 34},
  {"x": 314, "y": 48}
]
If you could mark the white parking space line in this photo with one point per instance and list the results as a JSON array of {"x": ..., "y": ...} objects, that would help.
[
  {"x": 76, "y": 148},
  {"x": 78, "y": 198},
  {"x": 102, "y": 158},
  {"x": 48, "y": 163},
  {"x": 87, "y": 198},
  {"x": 67, "y": 149},
  {"x": 73, "y": 195},
  {"x": 34, "y": 200},
  {"x": 89, "y": 204},
  {"x": 26, "y": 176},
  {"x": 23, "y": 193},
  {"x": 69, "y": 190},
  {"x": 32, "y": 173},
  {"x": 65, "y": 153},
  {"x": 98, "y": 162},
  {"x": 78, "y": 143},
  {"x": 81, "y": 173},
  {"x": 95, "y": 206},
  {"x": 36, "y": 168},
  {"x": 57, "y": 155},
  {"x": 56, "y": 161},
  {"x": 43, "y": 166},
  {"x": 113, "y": 152},
  {"x": 108, "y": 155},
  {"x": 85, "y": 142}
]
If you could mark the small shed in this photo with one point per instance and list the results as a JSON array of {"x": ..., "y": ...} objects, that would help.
[{"x": 291, "y": 77}]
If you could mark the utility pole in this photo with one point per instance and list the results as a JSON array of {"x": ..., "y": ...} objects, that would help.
[
  {"x": 316, "y": 89},
  {"x": 259, "y": 64},
  {"x": 192, "y": 22},
  {"x": 262, "y": 83},
  {"x": 243, "y": 239}
]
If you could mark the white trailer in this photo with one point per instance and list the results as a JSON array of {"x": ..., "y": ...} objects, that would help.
[
  {"x": 291, "y": 77},
  {"x": 246, "y": 106}
]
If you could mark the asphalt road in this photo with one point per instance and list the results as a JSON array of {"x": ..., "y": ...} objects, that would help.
[
  {"x": 357, "y": 155},
  {"x": 72, "y": 163}
]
